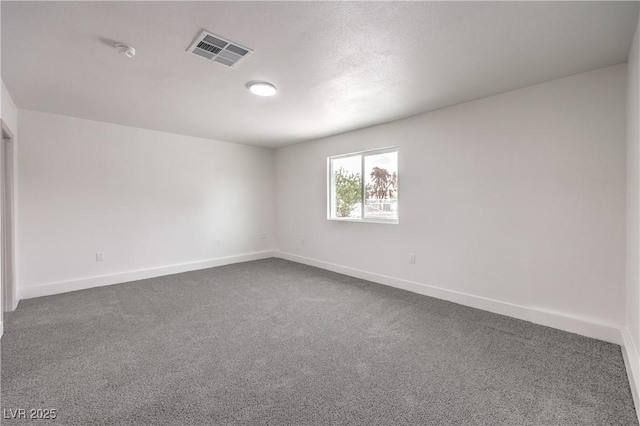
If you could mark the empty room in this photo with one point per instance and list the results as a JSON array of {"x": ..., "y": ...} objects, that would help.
[{"x": 320, "y": 213}]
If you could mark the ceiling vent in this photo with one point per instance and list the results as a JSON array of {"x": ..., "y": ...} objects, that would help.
[{"x": 217, "y": 49}]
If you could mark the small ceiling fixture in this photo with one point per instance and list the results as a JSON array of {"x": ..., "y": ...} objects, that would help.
[
  {"x": 128, "y": 51},
  {"x": 261, "y": 88}
]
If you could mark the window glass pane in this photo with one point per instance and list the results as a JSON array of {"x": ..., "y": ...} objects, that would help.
[
  {"x": 381, "y": 186},
  {"x": 346, "y": 187}
]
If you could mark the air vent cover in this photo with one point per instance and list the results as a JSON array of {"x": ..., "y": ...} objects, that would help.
[{"x": 216, "y": 49}]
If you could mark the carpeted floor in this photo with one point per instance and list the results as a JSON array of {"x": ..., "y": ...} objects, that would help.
[{"x": 275, "y": 342}]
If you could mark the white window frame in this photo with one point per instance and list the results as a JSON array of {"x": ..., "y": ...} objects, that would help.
[{"x": 330, "y": 186}]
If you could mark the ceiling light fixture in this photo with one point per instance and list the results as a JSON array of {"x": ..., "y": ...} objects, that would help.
[
  {"x": 261, "y": 88},
  {"x": 128, "y": 51}
]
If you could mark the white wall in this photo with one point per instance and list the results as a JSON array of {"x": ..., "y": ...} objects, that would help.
[
  {"x": 518, "y": 198},
  {"x": 633, "y": 218},
  {"x": 2, "y": 296},
  {"x": 146, "y": 199}
]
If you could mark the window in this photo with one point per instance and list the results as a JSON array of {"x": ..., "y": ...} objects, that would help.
[{"x": 364, "y": 186}]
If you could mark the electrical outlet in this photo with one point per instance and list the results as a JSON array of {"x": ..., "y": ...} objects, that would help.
[
  {"x": 100, "y": 257},
  {"x": 301, "y": 241},
  {"x": 218, "y": 242},
  {"x": 412, "y": 258}
]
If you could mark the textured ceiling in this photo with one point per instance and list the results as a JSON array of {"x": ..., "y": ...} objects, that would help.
[{"x": 338, "y": 65}]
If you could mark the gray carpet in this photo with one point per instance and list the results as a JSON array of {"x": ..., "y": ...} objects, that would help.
[{"x": 275, "y": 342}]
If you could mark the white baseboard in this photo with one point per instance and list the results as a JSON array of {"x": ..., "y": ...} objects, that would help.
[
  {"x": 632, "y": 363},
  {"x": 102, "y": 280},
  {"x": 583, "y": 326}
]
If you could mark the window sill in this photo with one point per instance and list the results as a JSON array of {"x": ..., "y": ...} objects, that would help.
[{"x": 382, "y": 221}]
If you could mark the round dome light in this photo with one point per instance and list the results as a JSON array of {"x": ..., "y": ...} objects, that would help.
[{"x": 262, "y": 88}]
